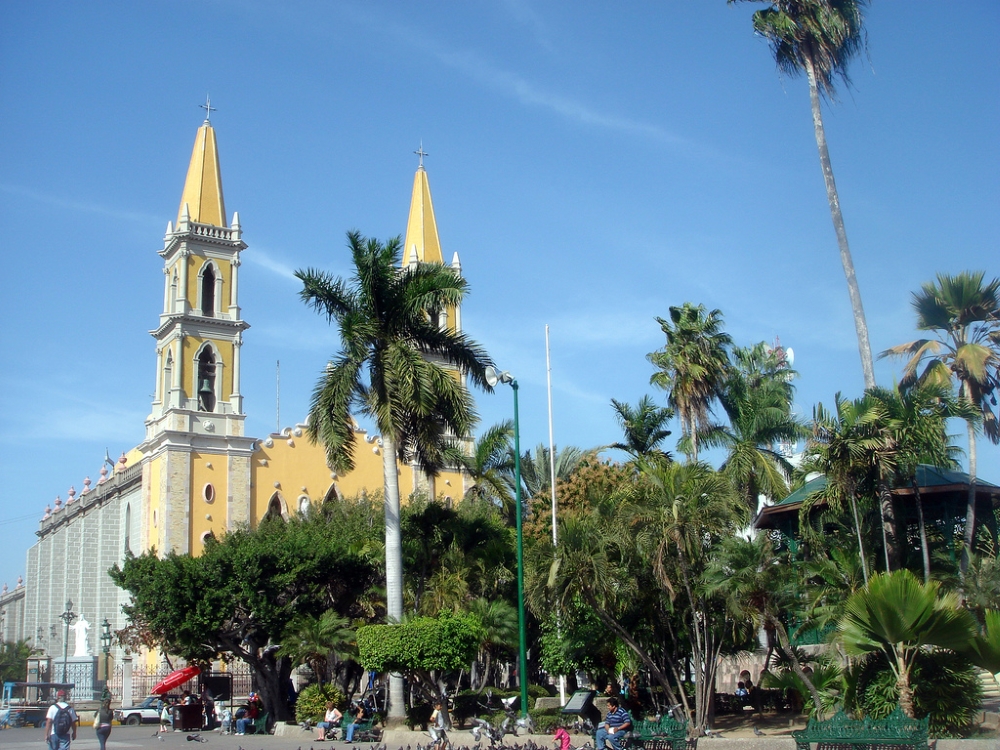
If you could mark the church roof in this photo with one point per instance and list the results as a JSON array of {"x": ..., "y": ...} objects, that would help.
[
  {"x": 203, "y": 186},
  {"x": 421, "y": 228}
]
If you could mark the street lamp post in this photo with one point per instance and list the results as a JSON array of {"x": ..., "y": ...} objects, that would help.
[
  {"x": 106, "y": 647},
  {"x": 493, "y": 377},
  {"x": 67, "y": 617}
]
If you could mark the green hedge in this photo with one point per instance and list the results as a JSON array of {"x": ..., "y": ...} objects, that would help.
[{"x": 311, "y": 704}]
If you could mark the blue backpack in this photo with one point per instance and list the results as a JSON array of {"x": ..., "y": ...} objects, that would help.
[{"x": 63, "y": 723}]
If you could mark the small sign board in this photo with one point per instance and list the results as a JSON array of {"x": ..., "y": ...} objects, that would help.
[{"x": 579, "y": 703}]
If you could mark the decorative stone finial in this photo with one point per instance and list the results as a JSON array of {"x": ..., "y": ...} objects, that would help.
[
  {"x": 20, "y": 582},
  {"x": 4, "y": 590},
  {"x": 58, "y": 502},
  {"x": 104, "y": 475},
  {"x": 71, "y": 495},
  {"x": 86, "y": 485},
  {"x": 48, "y": 513},
  {"x": 120, "y": 466}
]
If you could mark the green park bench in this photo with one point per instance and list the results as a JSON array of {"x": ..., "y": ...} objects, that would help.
[
  {"x": 664, "y": 733},
  {"x": 897, "y": 730}
]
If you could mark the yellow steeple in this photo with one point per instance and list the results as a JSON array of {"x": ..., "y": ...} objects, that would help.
[
  {"x": 421, "y": 228},
  {"x": 203, "y": 186}
]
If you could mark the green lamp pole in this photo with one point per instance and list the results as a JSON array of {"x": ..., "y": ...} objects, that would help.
[{"x": 493, "y": 377}]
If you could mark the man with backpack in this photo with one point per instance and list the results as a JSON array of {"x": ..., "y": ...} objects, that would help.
[{"x": 60, "y": 723}]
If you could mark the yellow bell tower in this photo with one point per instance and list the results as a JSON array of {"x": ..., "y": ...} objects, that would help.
[{"x": 196, "y": 472}]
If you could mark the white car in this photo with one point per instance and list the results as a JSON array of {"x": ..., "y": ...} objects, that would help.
[{"x": 147, "y": 712}]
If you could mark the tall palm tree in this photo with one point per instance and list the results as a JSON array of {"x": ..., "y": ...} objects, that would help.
[
  {"x": 536, "y": 469},
  {"x": 644, "y": 426},
  {"x": 396, "y": 366},
  {"x": 757, "y": 397},
  {"x": 898, "y": 615},
  {"x": 499, "y": 621},
  {"x": 964, "y": 312},
  {"x": 820, "y": 38},
  {"x": 691, "y": 366},
  {"x": 490, "y": 466}
]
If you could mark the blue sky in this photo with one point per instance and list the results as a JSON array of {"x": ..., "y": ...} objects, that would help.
[{"x": 592, "y": 163}]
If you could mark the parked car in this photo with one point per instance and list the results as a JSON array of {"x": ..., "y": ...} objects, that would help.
[{"x": 147, "y": 712}]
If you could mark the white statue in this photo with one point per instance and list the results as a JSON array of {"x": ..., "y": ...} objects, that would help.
[{"x": 80, "y": 628}]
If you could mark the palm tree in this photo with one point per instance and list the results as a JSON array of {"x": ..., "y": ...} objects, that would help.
[
  {"x": 679, "y": 513},
  {"x": 756, "y": 585},
  {"x": 841, "y": 447},
  {"x": 536, "y": 468},
  {"x": 898, "y": 615},
  {"x": 490, "y": 467},
  {"x": 757, "y": 397},
  {"x": 691, "y": 366},
  {"x": 644, "y": 426},
  {"x": 820, "y": 38},
  {"x": 964, "y": 311},
  {"x": 499, "y": 621},
  {"x": 311, "y": 640},
  {"x": 396, "y": 365}
]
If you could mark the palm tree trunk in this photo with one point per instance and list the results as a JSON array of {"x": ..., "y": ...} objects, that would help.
[
  {"x": 393, "y": 563},
  {"x": 970, "y": 507},
  {"x": 861, "y": 544},
  {"x": 786, "y": 646},
  {"x": 904, "y": 688},
  {"x": 860, "y": 323},
  {"x": 924, "y": 549},
  {"x": 888, "y": 524}
]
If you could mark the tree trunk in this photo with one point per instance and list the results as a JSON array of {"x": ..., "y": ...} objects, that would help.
[
  {"x": 924, "y": 549},
  {"x": 786, "y": 646},
  {"x": 861, "y": 544},
  {"x": 393, "y": 564},
  {"x": 272, "y": 681},
  {"x": 970, "y": 506},
  {"x": 904, "y": 688},
  {"x": 860, "y": 323},
  {"x": 889, "y": 545}
]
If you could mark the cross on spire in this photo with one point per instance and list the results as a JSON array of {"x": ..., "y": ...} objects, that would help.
[
  {"x": 421, "y": 153},
  {"x": 209, "y": 109}
]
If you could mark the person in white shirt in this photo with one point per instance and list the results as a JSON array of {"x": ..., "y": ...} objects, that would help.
[{"x": 60, "y": 723}]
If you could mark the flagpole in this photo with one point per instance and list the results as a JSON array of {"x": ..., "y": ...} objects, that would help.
[{"x": 552, "y": 473}]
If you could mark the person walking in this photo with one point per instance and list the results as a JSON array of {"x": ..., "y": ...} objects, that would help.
[
  {"x": 103, "y": 722},
  {"x": 60, "y": 723}
]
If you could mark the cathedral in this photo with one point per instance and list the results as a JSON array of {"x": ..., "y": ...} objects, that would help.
[{"x": 196, "y": 473}]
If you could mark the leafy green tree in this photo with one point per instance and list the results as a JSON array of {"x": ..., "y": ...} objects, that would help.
[
  {"x": 395, "y": 367},
  {"x": 536, "y": 468},
  {"x": 964, "y": 311},
  {"x": 644, "y": 428},
  {"x": 757, "y": 397},
  {"x": 691, "y": 366},
  {"x": 679, "y": 514},
  {"x": 14, "y": 657},
  {"x": 820, "y": 38},
  {"x": 237, "y": 599},
  {"x": 898, "y": 615},
  {"x": 311, "y": 640},
  {"x": 758, "y": 587},
  {"x": 427, "y": 650}
]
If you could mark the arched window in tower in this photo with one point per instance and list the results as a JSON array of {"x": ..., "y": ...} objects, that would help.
[
  {"x": 208, "y": 291},
  {"x": 206, "y": 380}
]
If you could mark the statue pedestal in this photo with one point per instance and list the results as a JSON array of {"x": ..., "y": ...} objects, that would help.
[{"x": 82, "y": 672}]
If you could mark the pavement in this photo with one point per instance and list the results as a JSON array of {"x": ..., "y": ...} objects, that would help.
[{"x": 776, "y": 736}]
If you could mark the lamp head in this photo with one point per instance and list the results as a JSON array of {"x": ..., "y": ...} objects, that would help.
[{"x": 493, "y": 376}]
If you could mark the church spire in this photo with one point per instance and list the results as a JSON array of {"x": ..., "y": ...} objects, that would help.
[
  {"x": 421, "y": 228},
  {"x": 202, "y": 197}
]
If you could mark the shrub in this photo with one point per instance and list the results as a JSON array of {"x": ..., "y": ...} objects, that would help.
[
  {"x": 945, "y": 685},
  {"x": 311, "y": 704}
]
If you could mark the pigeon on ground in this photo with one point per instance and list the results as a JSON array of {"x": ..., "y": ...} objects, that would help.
[{"x": 757, "y": 732}]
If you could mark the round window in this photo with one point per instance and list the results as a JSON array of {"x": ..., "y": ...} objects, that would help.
[{"x": 208, "y": 493}]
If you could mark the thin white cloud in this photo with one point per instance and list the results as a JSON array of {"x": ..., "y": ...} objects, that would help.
[
  {"x": 80, "y": 206},
  {"x": 262, "y": 258}
]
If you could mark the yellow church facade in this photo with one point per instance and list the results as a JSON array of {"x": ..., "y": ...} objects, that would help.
[{"x": 196, "y": 473}]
